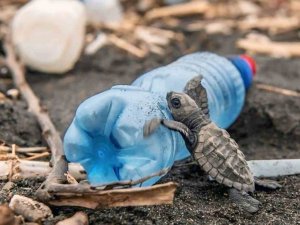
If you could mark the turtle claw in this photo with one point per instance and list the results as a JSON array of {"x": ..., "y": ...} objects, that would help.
[
  {"x": 267, "y": 184},
  {"x": 150, "y": 126},
  {"x": 244, "y": 200}
]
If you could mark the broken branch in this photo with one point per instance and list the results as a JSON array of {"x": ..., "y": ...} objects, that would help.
[
  {"x": 90, "y": 198},
  {"x": 50, "y": 133}
]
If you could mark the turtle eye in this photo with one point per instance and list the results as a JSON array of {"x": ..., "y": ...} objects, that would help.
[{"x": 176, "y": 103}]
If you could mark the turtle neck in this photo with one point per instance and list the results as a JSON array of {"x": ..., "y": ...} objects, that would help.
[{"x": 196, "y": 120}]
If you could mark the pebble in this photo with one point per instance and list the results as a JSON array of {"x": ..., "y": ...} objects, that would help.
[
  {"x": 32, "y": 211},
  {"x": 8, "y": 186},
  {"x": 79, "y": 218},
  {"x": 13, "y": 93}
]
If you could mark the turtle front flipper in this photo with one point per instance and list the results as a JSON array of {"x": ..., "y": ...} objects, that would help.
[
  {"x": 198, "y": 93},
  {"x": 151, "y": 125},
  {"x": 187, "y": 134}
]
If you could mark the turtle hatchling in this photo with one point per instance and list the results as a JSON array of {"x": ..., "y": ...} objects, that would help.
[{"x": 211, "y": 147}]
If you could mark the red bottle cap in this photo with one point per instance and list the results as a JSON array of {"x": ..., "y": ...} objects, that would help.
[{"x": 251, "y": 63}]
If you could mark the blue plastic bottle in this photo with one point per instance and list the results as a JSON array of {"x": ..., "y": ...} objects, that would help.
[{"x": 106, "y": 135}]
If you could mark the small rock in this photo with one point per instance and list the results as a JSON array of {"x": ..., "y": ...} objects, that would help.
[
  {"x": 8, "y": 186},
  {"x": 13, "y": 93},
  {"x": 80, "y": 218},
  {"x": 31, "y": 210},
  {"x": 7, "y": 217}
]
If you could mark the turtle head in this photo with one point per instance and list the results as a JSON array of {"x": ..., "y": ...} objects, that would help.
[{"x": 181, "y": 105}]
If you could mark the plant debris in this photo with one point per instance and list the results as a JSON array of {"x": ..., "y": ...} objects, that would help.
[{"x": 79, "y": 218}]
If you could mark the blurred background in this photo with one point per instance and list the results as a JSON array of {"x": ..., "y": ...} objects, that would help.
[{"x": 75, "y": 49}]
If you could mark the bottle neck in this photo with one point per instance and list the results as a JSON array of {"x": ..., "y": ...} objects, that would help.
[{"x": 246, "y": 67}]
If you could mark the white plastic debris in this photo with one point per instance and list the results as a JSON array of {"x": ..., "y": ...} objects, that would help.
[
  {"x": 104, "y": 11},
  {"x": 49, "y": 34},
  {"x": 274, "y": 168},
  {"x": 96, "y": 44}
]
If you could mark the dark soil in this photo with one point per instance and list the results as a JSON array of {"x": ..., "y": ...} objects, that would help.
[{"x": 268, "y": 128}]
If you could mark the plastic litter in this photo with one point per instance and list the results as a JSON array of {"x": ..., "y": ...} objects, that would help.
[
  {"x": 106, "y": 135},
  {"x": 49, "y": 34},
  {"x": 101, "y": 11},
  {"x": 275, "y": 167}
]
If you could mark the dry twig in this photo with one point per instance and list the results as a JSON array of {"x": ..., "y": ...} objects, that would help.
[
  {"x": 278, "y": 90},
  {"x": 50, "y": 133},
  {"x": 263, "y": 45},
  {"x": 121, "y": 43},
  {"x": 273, "y": 25},
  {"x": 190, "y": 8},
  {"x": 38, "y": 156},
  {"x": 23, "y": 149}
]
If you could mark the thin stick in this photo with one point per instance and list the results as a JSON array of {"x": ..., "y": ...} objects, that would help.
[
  {"x": 278, "y": 90},
  {"x": 135, "y": 182},
  {"x": 190, "y": 8},
  {"x": 121, "y": 43},
  {"x": 23, "y": 149},
  {"x": 282, "y": 49},
  {"x": 38, "y": 156},
  {"x": 50, "y": 133}
]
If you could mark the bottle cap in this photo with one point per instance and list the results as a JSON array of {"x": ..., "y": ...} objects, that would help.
[{"x": 246, "y": 66}]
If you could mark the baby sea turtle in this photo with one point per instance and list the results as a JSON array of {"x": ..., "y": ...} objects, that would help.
[{"x": 211, "y": 147}]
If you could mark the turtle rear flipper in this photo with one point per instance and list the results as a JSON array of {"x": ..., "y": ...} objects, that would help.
[
  {"x": 244, "y": 201},
  {"x": 267, "y": 184}
]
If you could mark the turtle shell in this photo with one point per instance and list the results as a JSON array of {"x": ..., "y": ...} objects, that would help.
[{"x": 220, "y": 157}]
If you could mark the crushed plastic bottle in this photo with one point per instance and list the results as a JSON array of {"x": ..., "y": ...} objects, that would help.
[
  {"x": 49, "y": 34},
  {"x": 106, "y": 135}
]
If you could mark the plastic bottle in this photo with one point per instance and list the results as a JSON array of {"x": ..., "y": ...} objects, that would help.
[
  {"x": 104, "y": 11},
  {"x": 106, "y": 135},
  {"x": 49, "y": 34}
]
